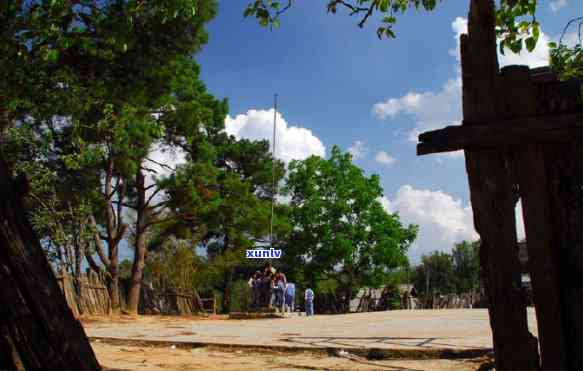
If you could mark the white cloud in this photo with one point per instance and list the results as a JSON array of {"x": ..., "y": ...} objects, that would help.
[
  {"x": 386, "y": 204},
  {"x": 557, "y": 5},
  {"x": 385, "y": 159},
  {"x": 408, "y": 103},
  {"x": 292, "y": 142},
  {"x": 442, "y": 219},
  {"x": 161, "y": 161},
  {"x": 431, "y": 110},
  {"x": 436, "y": 109},
  {"x": 459, "y": 26},
  {"x": 539, "y": 57},
  {"x": 358, "y": 150}
]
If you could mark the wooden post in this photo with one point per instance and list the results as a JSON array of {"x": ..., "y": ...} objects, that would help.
[
  {"x": 529, "y": 166},
  {"x": 37, "y": 329},
  {"x": 565, "y": 174},
  {"x": 491, "y": 188}
]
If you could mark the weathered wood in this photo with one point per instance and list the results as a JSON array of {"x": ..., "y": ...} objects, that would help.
[
  {"x": 512, "y": 132},
  {"x": 492, "y": 198},
  {"x": 94, "y": 296},
  {"x": 565, "y": 177},
  {"x": 542, "y": 256},
  {"x": 528, "y": 164},
  {"x": 34, "y": 315},
  {"x": 493, "y": 205}
]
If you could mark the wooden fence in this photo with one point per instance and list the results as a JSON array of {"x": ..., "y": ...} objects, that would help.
[
  {"x": 91, "y": 298},
  {"x": 174, "y": 302}
]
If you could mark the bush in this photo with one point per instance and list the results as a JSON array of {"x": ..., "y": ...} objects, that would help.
[{"x": 240, "y": 296}]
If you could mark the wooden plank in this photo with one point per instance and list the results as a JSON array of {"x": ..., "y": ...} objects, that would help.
[
  {"x": 492, "y": 198},
  {"x": 565, "y": 172},
  {"x": 528, "y": 167},
  {"x": 545, "y": 129},
  {"x": 543, "y": 257}
]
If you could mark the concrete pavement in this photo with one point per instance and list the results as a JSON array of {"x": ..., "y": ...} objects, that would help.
[{"x": 418, "y": 330}]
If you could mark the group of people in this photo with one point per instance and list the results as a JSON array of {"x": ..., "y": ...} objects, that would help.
[{"x": 270, "y": 288}]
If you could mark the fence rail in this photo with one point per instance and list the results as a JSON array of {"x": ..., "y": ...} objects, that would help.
[{"x": 91, "y": 297}]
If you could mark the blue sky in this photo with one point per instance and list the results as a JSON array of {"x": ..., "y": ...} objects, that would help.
[{"x": 338, "y": 84}]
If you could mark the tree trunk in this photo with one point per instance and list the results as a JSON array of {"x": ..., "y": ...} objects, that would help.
[
  {"x": 137, "y": 274},
  {"x": 109, "y": 261},
  {"x": 113, "y": 290},
  {"x": 37, "y": 328},
  {"x": 140, "y": 245},
  {"x": 347, "y": 297},
  {"x": 226, "y": 292}
]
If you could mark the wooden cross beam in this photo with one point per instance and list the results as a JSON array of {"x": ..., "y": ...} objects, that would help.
[{"x": 508, "y": 133}]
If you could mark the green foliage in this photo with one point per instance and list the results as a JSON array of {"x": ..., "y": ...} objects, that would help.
[
  {"x": 176, "y": 265},
  {"x": 516, "y": 24},
  {"x": 340, "y": 229},
  {"x": 566, "y": 61},
  {"x": 327, "y": 286},
  {"x": 466, "y": 265},
  {"x": 436, "y": 270},
  {"x": 57, "y": 213},
  {"x": 125, "y": 270},
  {"x": 458, "y": 272},
  {"x": 400, "y": 275},
  {"x": 268, "y": 12},
  {"x": 240, "y": 296},
  {"x": 394, "y": 294}
]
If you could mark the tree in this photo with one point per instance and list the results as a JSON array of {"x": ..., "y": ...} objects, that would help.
[
  {"x": 69, "y": 59},
  {"x": 446, "y": 273},
  {"x": 340, "y": 228},
  {"x": 58, "y": 212},
  {"x": 115, "y": 136},
  {"x": 466, "y": 266},
  {"x": 175, "y": 265},
  {"x": 435, "y": 275},
  {"x": 229, "y": 208}
]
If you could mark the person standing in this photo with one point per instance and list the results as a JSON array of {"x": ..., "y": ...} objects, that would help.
[
  {"x": 272, "y": 291},
  {"x": 290, "y": 293},
  {"x": 280, "y": 283},
  {"x": 268, "y": 269},
  {"x": 309, "y": 297},
  {"x": 255, "y": 284}
]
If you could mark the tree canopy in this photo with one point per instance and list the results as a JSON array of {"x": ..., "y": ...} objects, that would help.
[
  {"x": 447, "y": 273},
  {"x": 340, "y": 228}
]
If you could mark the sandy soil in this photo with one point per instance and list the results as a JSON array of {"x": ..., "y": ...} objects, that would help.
[{"x": 123, "y": 358}]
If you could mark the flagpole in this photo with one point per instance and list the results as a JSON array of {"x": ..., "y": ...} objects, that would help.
[{"x": 274, "y": 185}]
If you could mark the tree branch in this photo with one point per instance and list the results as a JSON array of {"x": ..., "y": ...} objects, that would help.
[
  {"x": 124, "y": 204},
  {"x": 153, "y": 195},
  {"x": 160, "y": 164},
  {"x": 354, "y": 9},
  {"x": 98, "y": 243},
  {"x": 157, "y": 205}
]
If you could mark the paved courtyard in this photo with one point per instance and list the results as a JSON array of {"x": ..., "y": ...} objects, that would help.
[{"x": 459, "y": 329}]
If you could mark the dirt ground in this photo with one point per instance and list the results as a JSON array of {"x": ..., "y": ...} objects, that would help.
[{"x": 144, "y": 358}]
